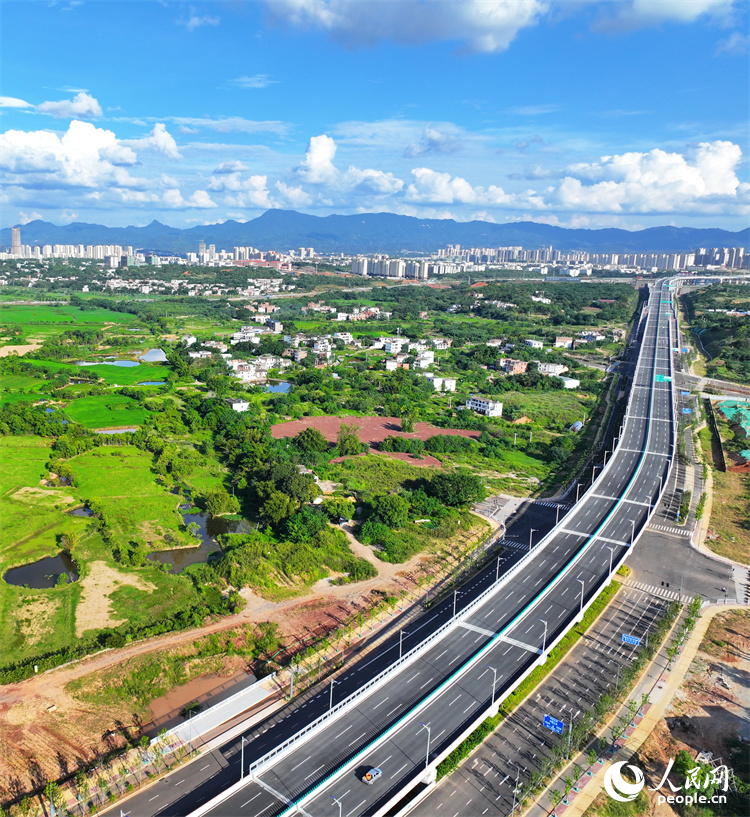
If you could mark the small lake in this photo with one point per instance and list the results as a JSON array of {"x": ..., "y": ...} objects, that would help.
[
  {"x": 152, "y": 383},
  {"x": 123, "y": 364},
  {"x": 208, "y": 529},
  {"x": 278, "y": 388},
  {"x": 82, "y": 511},
  {"x": 43, "y": 573},
  {"x": 154, "y": 356}
]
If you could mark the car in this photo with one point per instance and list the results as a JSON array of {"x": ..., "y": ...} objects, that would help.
[{"x": 371, "y": 775}]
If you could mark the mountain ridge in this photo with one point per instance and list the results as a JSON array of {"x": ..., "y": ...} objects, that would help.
[{"x": 376, "y": 232}]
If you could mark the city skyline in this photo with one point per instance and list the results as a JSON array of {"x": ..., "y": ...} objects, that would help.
[{"x": 626, "y": 114}]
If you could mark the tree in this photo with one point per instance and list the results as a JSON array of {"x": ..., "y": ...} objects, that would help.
[
  {"x": 310, "y": 440},
  {"x": 338, "y": 507},
  {"x": 392, "y": 510},
  {"x": 219, "y": 501},
  {"x": 407, "y": 423},
  {"x": 457, "y": 488},
  {"x": 278, "y": 507},
  {"x": 348, "y": 440}
]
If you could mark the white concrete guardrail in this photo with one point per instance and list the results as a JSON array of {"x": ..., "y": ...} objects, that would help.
[{"x": 306, "y": 733}]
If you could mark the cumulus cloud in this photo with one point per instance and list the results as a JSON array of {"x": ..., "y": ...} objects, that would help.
[
  {"x": 254, "y": 81},
  {"x": 654, "y": 182},
  {"x": 200, "y": 200},
  {"x": 13, "y": 102},
  {"x": 229, "y": 167},
  {"x": 481, "y": 25},
  {"x": 195, "y": 20},
  {"x": 159, "y": 140},
  {"x": 433, "y": 141},
  {"x": 317, "y": 166},
  {"x": 82, "y": 106},
  {"x": 442, "y": 188}
]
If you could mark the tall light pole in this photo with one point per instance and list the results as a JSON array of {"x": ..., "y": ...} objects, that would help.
[
  {"x": 515, "y": 791},
  {"x": 330, "y": 699},
  {"x": 338, "y": 803},
  {"x": 455, "y": 596},
  {"x": 544, "y": 641},
  {"x": 494, "y": 682},
  {"x": 583, "y": 584},
  {"x": 578, "y": 488},
  {"x": 531, "y": 533},
  {"x": 242, "y": 757},
  {"x": 427, "y": 756},
  {"x": 497, "y": 570},
  {"x": 611, "y": 553},
  {"x": 401, "y": 642},
  {"x": 632, "y": 532}
]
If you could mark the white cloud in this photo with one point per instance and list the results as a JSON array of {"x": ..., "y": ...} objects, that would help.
[
  {"x": 231, "y": 124},
  {"x": 685, "y": 11},
  {"x": 25, "y": 218},
  {"x": 655, "y": 182},
  {"x": 200, "y": 200},
  {"x": 194, "y": 20},
  {"x": 13, "y": 102},
  {"x": 481, "y": 25},
  {"x": 254, "y": 81},
  {"x": 735, "y": 44},
  {"x": 294, "y": 196},
  {"x": 441, "y": 188},
  {"x": 433, "y": 140},
  {"x": 159, "y": 140},
  {"x": 317, "y": 166},
  {"x": 82, "y": 106},
  {"x": 229, "y": 167}
]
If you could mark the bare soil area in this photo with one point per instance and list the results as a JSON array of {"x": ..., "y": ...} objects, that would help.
[{"x": 6, "y": 351}]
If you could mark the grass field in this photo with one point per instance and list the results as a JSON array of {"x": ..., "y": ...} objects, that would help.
[
  {"x": 41, "y": 314},
  {"x": 558, "y": 408},
  {"x": 107, "y": 411},
  {"x": 33, "y": 519},
  {"x": 113, "y": 375}
]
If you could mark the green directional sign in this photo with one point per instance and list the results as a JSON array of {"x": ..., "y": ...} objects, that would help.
[{"x": 662, "y": 378}]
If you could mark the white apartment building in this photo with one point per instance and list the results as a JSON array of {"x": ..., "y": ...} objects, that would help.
[
  {"x": 535, "y": 344},
  {"x": 570, "y": 382},
  {"x": 490, "y": 408},
  {"x": 552, "y": 368},
  {"x": 441, "y": 383},
  {"x": 395, "y": 345}
]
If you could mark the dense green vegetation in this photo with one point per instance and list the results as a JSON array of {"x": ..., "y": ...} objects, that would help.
[{"x": 724, "y": 338}]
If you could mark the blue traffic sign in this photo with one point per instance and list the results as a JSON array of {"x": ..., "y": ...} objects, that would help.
[
  {"x": 684, "y": 393},
  {"x": 553, "y": 724},
  {"x": 630, "y": 639},
  {"x": 687, "y": 411}
]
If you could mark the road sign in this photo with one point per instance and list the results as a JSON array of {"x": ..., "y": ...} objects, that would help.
[
  {"x": 687, "y": 411},
  {"x": 554, "y": 725},
  {"x": 630, "y": 639},
  {"x": 684, "y": 393},
  {"x": 662, "y": 378}
]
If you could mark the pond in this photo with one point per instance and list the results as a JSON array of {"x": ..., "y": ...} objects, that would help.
[
  {"x": 282, "y": 387},
  {"x": 43, "y": 573},
  {"x": 127, "y": 430},
  {"x": 82, "y": 511},
  {"x": 123, "y": 364},
  {"x": 209, "y": 527},
  {"x": 154, "y": 356},
  {"x": 152, "y": 383}
]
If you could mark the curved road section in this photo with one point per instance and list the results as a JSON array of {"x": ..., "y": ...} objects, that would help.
[{"x": 404, "y": 714}]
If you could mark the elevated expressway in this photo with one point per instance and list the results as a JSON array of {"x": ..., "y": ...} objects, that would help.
[{"x": 413, "y": 712}]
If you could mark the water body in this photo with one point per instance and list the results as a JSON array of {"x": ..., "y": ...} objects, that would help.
[
  {"x": 154, "y": 356},
  {"x": 123, "y": 364},
  {"x": 43, "y": 573},
  {"x": 82, "y": 511},
  {"x": 132, "y": 429},
  {"x": 279, "y": 388},
  {"x": 152, "y": 383},
  {"x": 209, "y": 527}
]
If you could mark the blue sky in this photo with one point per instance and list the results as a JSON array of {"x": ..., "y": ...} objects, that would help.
[{"x": 585, "y": 113}]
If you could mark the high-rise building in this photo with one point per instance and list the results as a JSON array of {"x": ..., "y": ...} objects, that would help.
[{"x": 15, "y": 242}]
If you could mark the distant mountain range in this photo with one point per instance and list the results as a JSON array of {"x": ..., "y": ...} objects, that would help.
[{"x": 376, "y": 232}]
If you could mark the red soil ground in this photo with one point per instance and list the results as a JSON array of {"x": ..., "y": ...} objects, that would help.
[{"x": 372, "y": 430}]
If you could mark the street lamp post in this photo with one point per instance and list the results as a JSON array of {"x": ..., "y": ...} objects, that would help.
[
  {"x": 401, "y": 642},
  {"x": 557, "y": 515},
  {"x": 583, "y": 584},
  {"x": 531, "y": 533},
  {"x": 632, "y": 532},
  {"x": 515, "y": 791},
  {"x": 578, "y": 488},
  {"x": 611, "y": 552},
  {"x": 544, "y": 641},
  {"x": 494, "y": 682},
  {"x": 330, "y": 699},
  {"x": 338, "y": 803},
  {"x": 427, "y": 755},
  {"x": 455, "y": 597},
  {"x": 497, "y": 570},
  {"x": 242, "y": 757}
]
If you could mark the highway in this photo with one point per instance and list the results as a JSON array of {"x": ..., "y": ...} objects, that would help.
[{"x": 404, "y": 715}]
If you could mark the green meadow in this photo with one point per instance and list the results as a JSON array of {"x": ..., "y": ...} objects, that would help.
[
  {"x": 107, "y": 411},
  {"x": 64, "y": 314},
  {"x": 112, "y": 375}
]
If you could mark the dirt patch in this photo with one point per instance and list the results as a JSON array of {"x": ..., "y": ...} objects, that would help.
[
  {"x": 421, "y": 462},
  {"x": 151, "y": 531},
  {"x": 372, "y": 430},
  {"x": 35, "y": 615},
  {"x": 94, "y": 611},
  {"x": 5, "y": 351},
  {"x": 37, "y": 496}
]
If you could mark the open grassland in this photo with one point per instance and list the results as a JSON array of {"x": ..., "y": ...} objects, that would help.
[
  {"x": 374, "y": 474},
  {"x": 557, "y": 408},
  {"x": 107, "y": 411},
  {"x": 34, "y": 314},
  {"x": 730, "y": 516},
  {"x": 112, "y": 375},
  {"x": 35, "y": 517}
]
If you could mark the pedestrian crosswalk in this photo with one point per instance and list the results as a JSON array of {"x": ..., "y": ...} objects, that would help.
[
  {"x": 662, "y": 592},
  {"x": 554, "y": 505},
  {"x": 672, "y": 530}
]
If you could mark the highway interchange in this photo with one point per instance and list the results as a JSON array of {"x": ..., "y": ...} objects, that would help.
[{"x": 453, "y": 665}]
